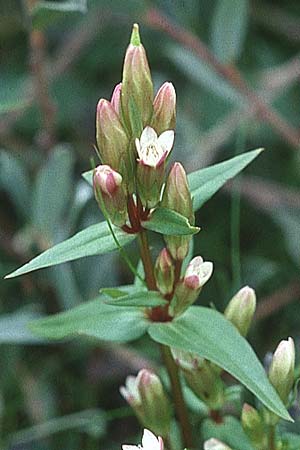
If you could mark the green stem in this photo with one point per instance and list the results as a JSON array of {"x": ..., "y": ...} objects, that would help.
[
  {"x": 179, "y": 403},
  {"x": 272, "y": 444},
  {"x": 180, "y": 406}
]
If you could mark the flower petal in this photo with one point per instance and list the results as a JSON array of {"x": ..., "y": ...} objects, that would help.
[
  {"x": 166, "y": 140},
  {"x": 150, "y": 441},
  {"x": 148, "y": 136},
  {"x": 138, "y": 147},
  {"x": 130, "y": 447}
]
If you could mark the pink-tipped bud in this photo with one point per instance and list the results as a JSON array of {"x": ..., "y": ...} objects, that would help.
[
  {"x": 164, "y": 108},
  {"x": 241, "y": 308},
  {"x": 116, "y": 98},
  {"x": 164, "y": 272},
  {"x": 253, "y": 426},
  {"x": 177, "y": 197},
  {"x": 215, "y": 444},
  {"x": 137, "y": 88},
  {"x": 146, "y": 395},
  {"x": 109, "y": 192},
  {"x": 112, "y": 140},
  {"x": 282, "y": 369},
  {"x": 188, "y": 289}
]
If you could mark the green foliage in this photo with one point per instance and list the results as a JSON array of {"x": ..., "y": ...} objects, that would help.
[
  {"x": 94, "y": 319},
  {"x": 94, "y": 240},
  {"x": 169, "y": 222},
  {"x": 229, "y": 431},
  {"x": 137, "y": 299},
  {"x": 207, "y": 333}
]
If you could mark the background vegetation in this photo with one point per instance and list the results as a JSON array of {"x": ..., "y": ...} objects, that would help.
[{"x": 236, "y": 68}]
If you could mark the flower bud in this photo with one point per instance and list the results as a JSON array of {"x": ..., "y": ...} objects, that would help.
[
  {"x": 164, "y": 109},
  {"x": 281, "y": 372},
  {"x": 253, "y": 426},
  {"x": 113, "y": 142},
  {"x": 146, "y": 396},
  {"x": 177, "y": 197},
  {"x": 137, "y": 88},
  {"x": 164, "y": 272},
  {"x": 109, "y": 190},
  {"x": 152, "y": 154},
  {"x": 241, "y": 308},
  {"x": 215, "y": 444},
  {"x": 187, "y": 290},
  {"x": 202, "y": 377},
  {"x": 116, "y": 98}
]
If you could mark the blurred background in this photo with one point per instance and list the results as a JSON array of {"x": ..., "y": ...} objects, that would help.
[{"x": 236, "y": 68}]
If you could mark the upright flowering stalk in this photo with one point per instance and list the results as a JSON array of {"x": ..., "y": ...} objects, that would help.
[
  {"x": 137, "y": 87},
  {"x": 187, "y": 290},
  {"x": 152, "y": 154},
  {"x": 177, "y": 197},
  {"x": 108, "y": 189},
  {"x": 146, "y": 396}
]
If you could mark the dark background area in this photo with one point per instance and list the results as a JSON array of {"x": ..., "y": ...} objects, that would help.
[{"x": 236, "y": 67}]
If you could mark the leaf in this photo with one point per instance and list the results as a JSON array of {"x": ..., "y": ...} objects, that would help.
[
  {"x": 204, "y": 183},
  {"x": 229, "y": 27},
  {"x": 90, "y": 421},
  {"x": 230, "y": 432},
  {"x": 138, "y": 299},
  {"x": 169, "y": 222},
  {"x": 53, "y": 191},
  {"x": 94, "y": 319},
  {"x": 46, "y": 13},
  {"x": 88, "y": 176},
  {"x": 13, "y": 328},
  {"x": 291, "y": 440},
  {"x": 206, "y": 332},
  {"x": 12, "y": 92},
  {"x": 94, "y": 240},
  {"x": 15, "y": 181}
]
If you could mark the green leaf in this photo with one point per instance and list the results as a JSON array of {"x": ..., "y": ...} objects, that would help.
[
  {"x": 12, "y": 92},
  {"x": 15, "y": 181},
  {"x": 113, "y": 292},
  {"x": 291, "y": 440},
  {"x": 94, "y": 319},
  {"x": 206, "y": 332},
  {"x": 229, "y": 27},
  {"x": 94, "y": 240},
  {"x": 53, "y": 191},
  {"x": 204, "y": 183},
  {"x": 138, "y": 299},
  {"x": 90, "y": 421},
  {"x": 169, "y": 222},
  {"x": 88, "y": 176},
  {"x": 230, "y": 432}
]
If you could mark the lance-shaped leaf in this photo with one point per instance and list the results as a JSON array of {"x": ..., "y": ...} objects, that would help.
[
  {"x": 204, "y": 183},
  {"x": 94, "y": 240},
  {"x": 169, "y": 222},
  {"x": 209, "y": 334},
  {"x": 94, "y": 319},
  {"x": 138, "y": 299}
]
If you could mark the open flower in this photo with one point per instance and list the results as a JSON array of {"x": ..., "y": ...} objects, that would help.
[
  {"x": 198, "y": 273},
  {"x": 153, "y": 150},
  {"x": 149, "y": 442}
]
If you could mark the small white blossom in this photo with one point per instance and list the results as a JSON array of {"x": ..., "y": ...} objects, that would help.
[
  {"x": 215, "y": 444},
  {"x": 153, "y": 150},
  {"x": 198, "y": 272},
  {"x": 149, "y": 442}
]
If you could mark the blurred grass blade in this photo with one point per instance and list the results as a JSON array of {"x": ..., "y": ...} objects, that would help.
[
  {"x": 204, "y": 183},
  {"x": 94, "y": 240},
  {"x": 91, "y": 421},
  {"x": 228, "y": 29}
]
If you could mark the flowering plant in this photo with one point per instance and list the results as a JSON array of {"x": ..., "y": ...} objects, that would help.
[{"x": 138, "y": 193}]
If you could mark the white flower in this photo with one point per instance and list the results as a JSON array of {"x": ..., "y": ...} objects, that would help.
[
  {"x": 198, "y": 272},
  {"x": 149, "y": 442},
  {"x": 153, "y": 150},
  {"x": 215, "y": 444}
]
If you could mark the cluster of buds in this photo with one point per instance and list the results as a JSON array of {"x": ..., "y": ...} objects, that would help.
[
  {"x": 146, "y": 395},
  {"x": 202, "y": 377},
  {"x": 135, "y": 135}
]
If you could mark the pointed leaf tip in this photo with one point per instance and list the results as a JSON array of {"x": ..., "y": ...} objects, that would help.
[{"x": 135, "y": 36}]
